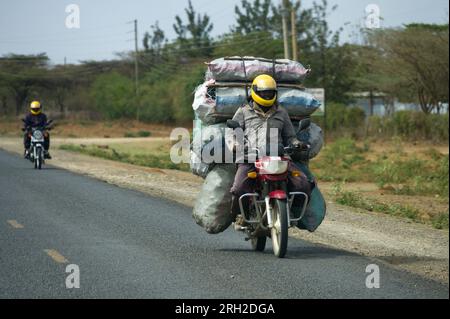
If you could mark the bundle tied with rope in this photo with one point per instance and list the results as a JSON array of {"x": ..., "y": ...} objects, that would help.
[{"x": 227, "y": 88}]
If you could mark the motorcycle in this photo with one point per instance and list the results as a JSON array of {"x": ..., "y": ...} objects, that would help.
[
  {"x": 269, "y": 207},
  {"x": 36, "y": 151}
]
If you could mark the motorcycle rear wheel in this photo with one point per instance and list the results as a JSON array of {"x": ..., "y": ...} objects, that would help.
[{"x": 280, "y": 227}]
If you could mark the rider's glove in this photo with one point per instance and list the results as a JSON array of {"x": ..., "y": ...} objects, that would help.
[{"x": 300, "y": 145}]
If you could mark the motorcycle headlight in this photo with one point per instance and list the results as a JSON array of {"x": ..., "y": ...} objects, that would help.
[
  {"x": 38, "y": 135},
  {"x": 274, "y": 166}
]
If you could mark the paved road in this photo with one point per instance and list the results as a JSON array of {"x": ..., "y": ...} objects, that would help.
[{"x": 130, "y": 245}]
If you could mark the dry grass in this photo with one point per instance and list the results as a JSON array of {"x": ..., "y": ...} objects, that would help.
[{"x": 82, "y": 129}]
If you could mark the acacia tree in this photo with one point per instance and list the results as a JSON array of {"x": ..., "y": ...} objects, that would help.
[
  {"x": 318, "y": 45},
  {"x": 409, "y": 62},
  {"x": 62, "y": 80},
  {"x": 154, "y": 42},
  {"x": 3, "y": 99},
  {"x": 253, "y": 17},
  {"x": 20, "y": 74},
  {"x": 193, "y": 37}
]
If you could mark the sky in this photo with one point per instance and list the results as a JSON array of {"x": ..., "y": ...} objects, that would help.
[{"x": 31, "y": 27}]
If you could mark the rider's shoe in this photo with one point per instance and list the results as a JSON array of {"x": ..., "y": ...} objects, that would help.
[
  {"x": 240, "y": 223},
  {"x": 47, "y": 155},
  {"x": 26, "y": 154}
]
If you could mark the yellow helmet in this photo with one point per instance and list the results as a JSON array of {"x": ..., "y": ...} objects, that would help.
[
  {"x": 264, "y": 90},
  {"x": 35, "y": 108}
]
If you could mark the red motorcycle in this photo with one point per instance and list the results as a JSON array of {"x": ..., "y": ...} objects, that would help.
[{"x": 268, "y": 213}]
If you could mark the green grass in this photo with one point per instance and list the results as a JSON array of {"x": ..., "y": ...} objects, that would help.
[
  {"x": 353, "y": 199},
  {"x": 138, "y": 134},
  {"x": 440, "y": 221},
  {"x": 157, "y": 160},
  {"x": 344, "y": 161},
  {"x": 414, "y": 176}
]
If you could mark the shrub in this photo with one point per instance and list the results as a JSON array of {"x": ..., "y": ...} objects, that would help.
[
  {"x": 417, "y": 177},
  {"x": 411, "y": 125},
  {"x": 341, "y": 119},
  {"x": 341, "y": 160},
  {"x": 114, "y": 96}
]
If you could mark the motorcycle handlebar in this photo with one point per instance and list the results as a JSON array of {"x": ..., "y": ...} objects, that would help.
[{"x": 45, "y": 127}]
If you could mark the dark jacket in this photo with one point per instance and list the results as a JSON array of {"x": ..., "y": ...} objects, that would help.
[{"x": 35, "y": 120}]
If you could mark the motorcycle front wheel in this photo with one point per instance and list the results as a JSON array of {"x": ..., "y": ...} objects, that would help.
[
  {"x": 279, "y": 229},
  {"x": 259, "y": 243},
  {"x": 38, "y": 159}
]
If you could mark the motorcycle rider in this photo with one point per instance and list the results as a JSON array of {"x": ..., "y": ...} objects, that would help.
[
  {"x": 36, "y": 118},
  {"x": 257, "y": 118}
]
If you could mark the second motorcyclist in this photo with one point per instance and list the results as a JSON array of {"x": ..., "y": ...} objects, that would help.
[{"x": 36, "y": 118}]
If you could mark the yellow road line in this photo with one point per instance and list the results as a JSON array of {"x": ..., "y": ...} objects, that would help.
[
  {"x": 15, "y": 224},
  {"x": 56, "y": 256}
]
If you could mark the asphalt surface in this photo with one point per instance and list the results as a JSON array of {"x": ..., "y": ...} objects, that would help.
[{"x": 131, "y": 245}]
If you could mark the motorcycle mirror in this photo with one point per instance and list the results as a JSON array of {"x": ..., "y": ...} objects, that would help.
[
  {"x": 233, "y": 124},
  {"x": 304, "y": 124}
]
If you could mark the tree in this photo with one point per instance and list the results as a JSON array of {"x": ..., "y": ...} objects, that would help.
[
  {"x": 331, "y": 62},
  {"x": 194, "y": 37},
  {"x": 114, "y": 96},
  {"x": 263, "y": 44},
  {"x": 62, "y": 80},
  {"x": 253, "y": 17},
  {"x": 21, "y": 74},
  {"x": 3, "y": 99},
  {"x": 154, "y": 42},
  {"x": 319, "y": 47},
  {"x": 409, "y": 61}
]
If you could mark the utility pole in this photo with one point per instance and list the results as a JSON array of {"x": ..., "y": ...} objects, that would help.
[
  {"x": 294, "y": 34},
  {"x": 284, "y": 14},
  {"x": 136, "y": 69}
]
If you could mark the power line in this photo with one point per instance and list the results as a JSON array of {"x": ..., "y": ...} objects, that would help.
[
  {"x": 65, "y": 33},
  {"x": 172, "y": 66}
]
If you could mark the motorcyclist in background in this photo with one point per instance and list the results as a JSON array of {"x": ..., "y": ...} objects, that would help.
[
  {"x": 36, "y": 118},
  {"x": 256, "y": 119}
]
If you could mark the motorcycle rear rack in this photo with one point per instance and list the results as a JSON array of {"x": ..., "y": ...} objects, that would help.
[
  {"x": 255, "y": 201},
  {"x": 291, "y": 200},
  {"x": 259, "y": 213}
]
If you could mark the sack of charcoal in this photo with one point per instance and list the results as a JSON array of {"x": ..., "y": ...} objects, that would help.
[
  {"x": 212, "y": 206},
  {"x": 215, "y": 102},
  {"x": 205, "y": 138},
  {"x": 231, "y": 69}
]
